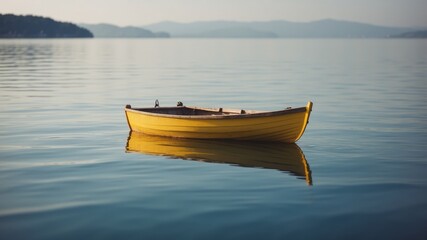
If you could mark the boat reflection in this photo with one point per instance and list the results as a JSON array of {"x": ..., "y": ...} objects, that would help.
[{"x": 270, "y": 155}]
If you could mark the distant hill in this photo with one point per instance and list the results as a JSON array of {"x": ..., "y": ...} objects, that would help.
[
  {"x": 238, "y": 32},
  {"x": 327, "y": 28},
  {"x": 416, "y": 34},
  {"x": 20, "y": 26},
  {"x": 104, "y": 30}
]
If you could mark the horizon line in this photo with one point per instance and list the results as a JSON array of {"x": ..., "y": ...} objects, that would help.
[{"x": 253, "y": 21}]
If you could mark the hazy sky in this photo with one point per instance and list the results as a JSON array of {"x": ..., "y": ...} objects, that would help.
[{"x": 141, "y": 12}]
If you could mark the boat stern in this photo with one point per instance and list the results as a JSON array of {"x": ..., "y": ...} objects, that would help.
[{"x": 126, "y": 114}]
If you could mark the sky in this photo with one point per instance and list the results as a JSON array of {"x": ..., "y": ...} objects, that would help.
[{"x": 399, "y": 13}]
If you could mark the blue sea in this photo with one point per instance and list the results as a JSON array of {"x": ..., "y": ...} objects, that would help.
[{"x": 70, "y": 168}]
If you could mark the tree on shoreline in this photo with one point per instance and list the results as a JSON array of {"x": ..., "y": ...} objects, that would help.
[{"x": 28, "y": 26}]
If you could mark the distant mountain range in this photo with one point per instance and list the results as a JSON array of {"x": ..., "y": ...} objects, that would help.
[
  {"x": 17, "y": 26},
  {"x": 327, "y": 28},
  {"x": 416, "y": 34},
  {"x": 20, "y": 26},
  {"x": 104, "y": 30}
]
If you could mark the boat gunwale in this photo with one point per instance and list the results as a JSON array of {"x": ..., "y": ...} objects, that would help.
[{"x": 231, "y": 115}]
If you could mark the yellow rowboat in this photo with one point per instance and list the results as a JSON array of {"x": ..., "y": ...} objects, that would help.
[
  {"x": 268, "y": 155},
  {"x": 209, "y": 123}
]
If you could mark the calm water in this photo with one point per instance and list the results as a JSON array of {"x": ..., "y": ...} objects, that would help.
[{"x": 70, "y": 170}]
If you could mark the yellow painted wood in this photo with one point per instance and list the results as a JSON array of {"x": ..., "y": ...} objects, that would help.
[{"x": 287, "y": 127}]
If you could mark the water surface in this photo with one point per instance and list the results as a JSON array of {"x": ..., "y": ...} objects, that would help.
[{"x": 67, "y": 172}]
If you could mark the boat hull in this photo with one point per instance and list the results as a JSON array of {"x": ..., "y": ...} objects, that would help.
[{"x": 284, "y": 126}]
